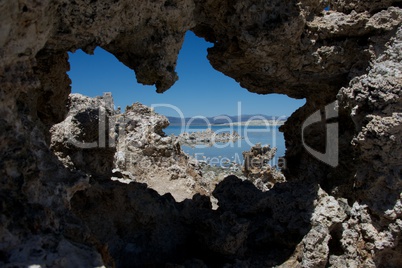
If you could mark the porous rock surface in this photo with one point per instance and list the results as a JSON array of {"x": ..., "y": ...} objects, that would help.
[
  {"x": 151, "y": 157},
  {"x": 257, "y": 167},
  {"x": 126, "y": 147},
  {"x": 350, "y": 215}
]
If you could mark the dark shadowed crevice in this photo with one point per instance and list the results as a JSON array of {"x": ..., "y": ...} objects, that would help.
[{"x": 334, "y": 244}]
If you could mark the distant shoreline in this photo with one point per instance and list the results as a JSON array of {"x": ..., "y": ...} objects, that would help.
[
  {"x": 226, "y": 120},
  {"x": 254, "y": 123}
]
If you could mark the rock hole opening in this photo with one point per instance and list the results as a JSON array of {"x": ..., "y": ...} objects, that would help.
[{"x": 202, "y": 100}]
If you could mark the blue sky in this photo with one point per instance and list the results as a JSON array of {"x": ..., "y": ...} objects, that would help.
[{"x": 201, "y": 90}]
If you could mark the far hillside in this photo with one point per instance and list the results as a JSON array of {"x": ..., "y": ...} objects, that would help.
[{"x": 253, "y": 119}]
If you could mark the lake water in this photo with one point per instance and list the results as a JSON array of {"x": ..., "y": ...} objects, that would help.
[{"x": 232, "y": 151}]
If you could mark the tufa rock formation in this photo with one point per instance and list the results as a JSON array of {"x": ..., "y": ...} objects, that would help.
[
  {"x": 146, "y": 153},
  {"x": 125, "y": 147},
  {"x": 208, "y": 138},
  {"x": 257, "y": 167},
  {"x": 59, "y": 207}
]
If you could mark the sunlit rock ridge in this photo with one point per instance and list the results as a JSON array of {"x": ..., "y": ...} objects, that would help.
[{"x": 55, "y": 215}]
